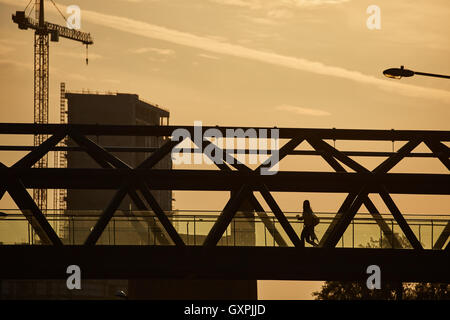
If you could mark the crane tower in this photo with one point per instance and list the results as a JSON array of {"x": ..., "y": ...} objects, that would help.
[{"x": 42, "y": 32}]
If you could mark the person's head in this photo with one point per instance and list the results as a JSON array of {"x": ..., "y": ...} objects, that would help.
[{"x": 306, "y": 205}]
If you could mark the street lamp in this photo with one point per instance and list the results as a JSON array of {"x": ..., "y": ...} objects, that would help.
[{"x": 398, "y": 73}]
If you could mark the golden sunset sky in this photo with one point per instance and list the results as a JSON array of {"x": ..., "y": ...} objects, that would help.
[{"x": 285, "y": 63}]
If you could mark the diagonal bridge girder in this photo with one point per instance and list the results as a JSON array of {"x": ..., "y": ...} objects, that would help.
[
  {"x": 348, "y": 211},
  {"x": 114, "y": 175}
]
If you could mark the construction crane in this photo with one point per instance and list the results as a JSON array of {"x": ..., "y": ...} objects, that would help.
[{"x": 42, "y": 32}]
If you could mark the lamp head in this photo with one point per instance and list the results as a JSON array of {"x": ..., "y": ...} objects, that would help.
[{"x": 398, "y": 73}]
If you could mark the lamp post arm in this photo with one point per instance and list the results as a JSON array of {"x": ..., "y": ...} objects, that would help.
[{"x": 431, "y": 75}]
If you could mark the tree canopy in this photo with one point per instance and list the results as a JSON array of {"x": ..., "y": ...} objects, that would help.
[{"x": 341, "y": 290}]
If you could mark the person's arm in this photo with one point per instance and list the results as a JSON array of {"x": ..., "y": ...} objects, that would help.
[{"x": 298, "y": 217}]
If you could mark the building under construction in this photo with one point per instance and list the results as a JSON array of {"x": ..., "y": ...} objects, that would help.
[
  {"x": 82, "y": 207},
  {"x": 111, "y": 109}
]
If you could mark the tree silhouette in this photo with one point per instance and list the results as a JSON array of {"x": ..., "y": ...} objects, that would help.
[{"x": 345, "y": 290}]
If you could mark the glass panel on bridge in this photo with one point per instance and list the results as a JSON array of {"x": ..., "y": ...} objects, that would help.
[{"x": 245, "y": 229}]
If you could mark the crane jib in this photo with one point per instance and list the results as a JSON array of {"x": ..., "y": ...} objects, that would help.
[
  {"x": 55, "y": 30},
  {"x": 41, "y": 72}
]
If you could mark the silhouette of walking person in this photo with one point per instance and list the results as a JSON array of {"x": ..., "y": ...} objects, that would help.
[{"x": 310, "y": 220}]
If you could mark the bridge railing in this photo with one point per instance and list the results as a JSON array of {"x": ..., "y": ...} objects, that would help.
[{"x": 143, "y": 228}]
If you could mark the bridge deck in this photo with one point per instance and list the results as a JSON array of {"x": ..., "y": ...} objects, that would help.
[{"x": 215, "y": 247}]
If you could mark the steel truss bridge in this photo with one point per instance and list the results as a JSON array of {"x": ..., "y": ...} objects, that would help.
[{"x": 172, "y": 257}]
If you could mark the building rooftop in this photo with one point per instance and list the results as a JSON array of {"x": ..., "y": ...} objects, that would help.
[{"x": 165, "y": 112}]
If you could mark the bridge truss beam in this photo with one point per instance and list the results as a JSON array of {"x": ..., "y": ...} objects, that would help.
[{"x": 115, "y": 174}]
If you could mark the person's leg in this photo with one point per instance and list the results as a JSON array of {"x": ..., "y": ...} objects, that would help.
[
  {"x": 303, "y": 235},
  {"x": 312, "y": 237},
  {"x": 309, "y": 236},
  {"x": 315, "y": 241}
]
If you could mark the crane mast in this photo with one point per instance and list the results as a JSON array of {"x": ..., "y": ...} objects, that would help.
[
  {"x": 41, "y": 87},
  {"x": 44, "y": 31}
]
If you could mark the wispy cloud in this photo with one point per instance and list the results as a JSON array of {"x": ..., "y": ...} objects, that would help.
[
  {"x": 15, "y": 63},
  {"x": 12, "y": 41},
  {"x": 75, "y": 76},
  {"x": 64, "y": 74},
  {"x": 163, "y": 52},
  {"x": 152, "y": 31},
  {"x": 312, "y": 3},
  {"x": 269, "y": 12},
  {"x": 280, "y": 13},
  {"x": 252, "y": 4},
  {"x": 208, "y": 56},
  {"x": 132, "y": 1},
  {"x": 78, "y": 55},
  {"x": 53, "y": 71},
  {"x": 267, "y": 4},
  {"x": 264, "y": 21},
  {"x": 112, "y": 81},
  {"x": 302, "y": 111},
  {"x": 5, "y": 49}
]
